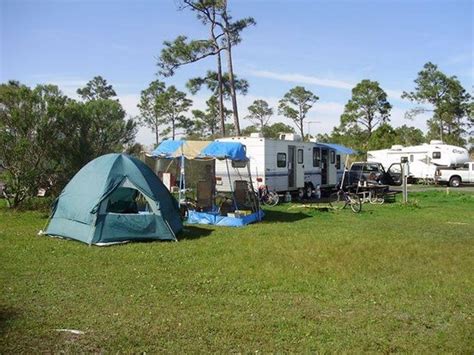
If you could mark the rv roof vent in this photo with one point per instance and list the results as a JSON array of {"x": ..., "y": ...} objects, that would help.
[
  {"x": 256, "y": 135},
  {"x": 290, "y": 137},
  {"x": 436, "y": 142},
  {"x": 397, "y": 147}
]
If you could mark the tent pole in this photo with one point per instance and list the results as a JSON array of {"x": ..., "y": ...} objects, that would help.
[
  {"x": 172, "y": 233},
  {"x": 344, "y": 172},
  {"x": 43, "y": 231},
  {"x": 167, "y": 168},
  {"x": 256, "y": 202},
  {"x": 230, "y": 183},
  {"x": 182, "y": 177}
]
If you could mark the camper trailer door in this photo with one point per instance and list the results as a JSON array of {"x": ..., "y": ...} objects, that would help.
[
  {"x": 299, "y": 167},
  {"x": 291, "y": 167},
  {"x": 324, "y": 166}
]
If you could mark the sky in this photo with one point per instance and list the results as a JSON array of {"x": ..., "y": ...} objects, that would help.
[{"x": 326, "y": 46}]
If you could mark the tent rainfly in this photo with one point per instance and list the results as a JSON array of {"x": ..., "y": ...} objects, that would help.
[{"x": 115, "y": 198}]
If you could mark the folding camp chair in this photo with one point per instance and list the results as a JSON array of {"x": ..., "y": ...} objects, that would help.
[
  {"x": 241, "y": 194},
  {"x": 205, "y": 195}
]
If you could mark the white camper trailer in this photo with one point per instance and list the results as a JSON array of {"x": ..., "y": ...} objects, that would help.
[
  {"x": 423, "y": 160},
  {"x": 285, "y": 164}
]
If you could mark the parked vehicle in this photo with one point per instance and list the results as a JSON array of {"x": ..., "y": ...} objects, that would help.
[
  {"x": 373, "y": 172},
  {"x": 285, "y": 164},
  {"x": 456, "y": 177},
  {"x": 423, "y": 160}
]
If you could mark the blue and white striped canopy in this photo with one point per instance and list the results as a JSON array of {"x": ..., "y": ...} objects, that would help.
[{"x": 200, "y": 150}]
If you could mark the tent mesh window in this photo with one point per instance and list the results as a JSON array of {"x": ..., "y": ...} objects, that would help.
[{"x": 127, "y": 200}]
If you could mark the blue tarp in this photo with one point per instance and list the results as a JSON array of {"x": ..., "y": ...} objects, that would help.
[
  {"x": 338, "y": 147},
  {"x": 167, "y": 148},
  {"x": 200, "y": 149},
  {"x": 225, "y": 150},
  {"x": 214, "y": 218}
]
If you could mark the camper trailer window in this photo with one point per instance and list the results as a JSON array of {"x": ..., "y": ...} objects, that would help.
[
  {"x": 316, "y": 157},
  {"x": 300, "y": 156},
  {"x": 412, "y": 158},
  {"x": 239, "y": 163},
  {"x": 333, "y": 157},
  {"x": 436, "y": 155},
  {"x": 338, "y": 162},
  {"x": 281, "y": 160}
]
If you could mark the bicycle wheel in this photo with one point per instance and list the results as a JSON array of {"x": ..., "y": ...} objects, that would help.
[
  {"x": 337, "y": 200},
  {"x": 376, "y": 198},
  {"x": 271, "y": 199},
  {"x": 354, "y": 202}
]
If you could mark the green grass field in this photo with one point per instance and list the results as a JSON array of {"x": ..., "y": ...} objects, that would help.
[{"x": 393, "y": 278}]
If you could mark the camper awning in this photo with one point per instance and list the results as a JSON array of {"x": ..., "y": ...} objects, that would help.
[
  {"x": 200, "y": 150},
  {"x": 338, "y": 147}
]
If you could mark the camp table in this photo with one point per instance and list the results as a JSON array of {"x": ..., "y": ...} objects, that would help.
[{"x": 372, "y": 193}]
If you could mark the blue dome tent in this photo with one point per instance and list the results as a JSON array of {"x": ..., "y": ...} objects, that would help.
[{"x": 115, "y": 198}]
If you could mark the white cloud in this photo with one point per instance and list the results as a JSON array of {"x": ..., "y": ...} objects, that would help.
[
  {"x": 68, "y": 85},
  {"x": 313, "y": 80},
  {"x": 394, "y": 94},
  {"x": 324, "y": 115},
  {"x": 129, "y": 103},
  {"x": 397, "y": 118},
  {"x": 459, "y": 58},
  {"x": 300, "y": 78}
]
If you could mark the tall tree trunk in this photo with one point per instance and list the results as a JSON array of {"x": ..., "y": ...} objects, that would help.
[
  {"x": 232, "y": 86},
  {"x": 301, "y": 128},
  {"x": 233, "y": 94},
  {"x": 220, "y": 94},
  {"x": 172, "y": 128},
  {"x": 369, "y": 123},
  {"x": 220, "y": 89},
  {"x": 157, "y": 134}
]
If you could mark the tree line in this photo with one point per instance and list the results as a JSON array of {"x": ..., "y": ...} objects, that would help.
[{"x": 46, "y": 137}]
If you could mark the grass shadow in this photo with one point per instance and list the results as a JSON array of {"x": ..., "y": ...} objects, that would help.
[
  {"x": 6, "y": 316},
  {"x": 193, "y": 232},
  {"x": 280, "y": 216}
]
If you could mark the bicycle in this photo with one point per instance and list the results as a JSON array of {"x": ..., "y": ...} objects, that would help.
[
  {"x": 267, "y": 197},
  {"x": 340, "y": 199},
  {"x": 377, "y": 197}
]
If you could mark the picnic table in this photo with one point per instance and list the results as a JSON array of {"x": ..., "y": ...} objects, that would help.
[{"x": 372, "y": 193}]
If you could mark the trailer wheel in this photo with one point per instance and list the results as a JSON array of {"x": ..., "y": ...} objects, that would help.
[
  {"x": 455, "y": 181},
  {"x": 301, "y": 193},
  {"x": 309, "y": 189}
]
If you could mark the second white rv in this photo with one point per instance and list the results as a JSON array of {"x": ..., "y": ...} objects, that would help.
[
  {"x": 285, "y": 164},
  {"x": 423, "y": 160}
]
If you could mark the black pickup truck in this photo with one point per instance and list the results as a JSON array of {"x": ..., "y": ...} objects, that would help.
[{"x": 373, "y": 173}]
